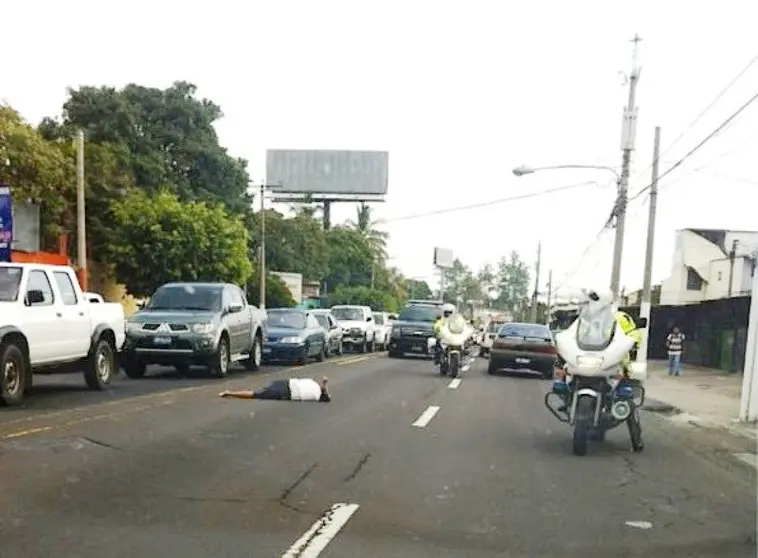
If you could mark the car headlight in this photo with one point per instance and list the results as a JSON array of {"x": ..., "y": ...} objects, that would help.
[
  {"x": 132, "y": 326},
  {"x": 292, "y": 340},
  {"x": 590, "y": 361},
  {"x": 203, "y": 329}
]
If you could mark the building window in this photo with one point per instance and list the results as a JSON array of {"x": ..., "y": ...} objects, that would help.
[
  {"x": 718, "y": 276},
  {"x": 694, "y": 282}
]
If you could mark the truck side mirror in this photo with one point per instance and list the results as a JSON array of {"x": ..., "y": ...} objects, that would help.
[
  {"x": 642, "y": 323},
  {"x": 34, "y": 296}
]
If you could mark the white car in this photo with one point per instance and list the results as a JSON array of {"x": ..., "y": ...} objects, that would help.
[
  {"x": 488, "y": 337},
  {"x": 357, "y": 323},
  {"x": 47, "y": 324},
  {"x": 382, "y": 330}
]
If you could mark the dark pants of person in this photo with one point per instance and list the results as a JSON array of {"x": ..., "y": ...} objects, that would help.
[{"x": 278, "y": 389}]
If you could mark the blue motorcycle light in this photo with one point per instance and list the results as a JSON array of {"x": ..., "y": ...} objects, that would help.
[
  {"x": 560, "y": 387},
  {"x": 624, "y": 391}
]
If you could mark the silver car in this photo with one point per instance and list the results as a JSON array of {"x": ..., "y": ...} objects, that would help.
[{"x": 333, "y": 330}]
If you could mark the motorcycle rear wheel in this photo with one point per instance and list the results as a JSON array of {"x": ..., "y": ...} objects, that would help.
[{"x": 455, "y": 365}]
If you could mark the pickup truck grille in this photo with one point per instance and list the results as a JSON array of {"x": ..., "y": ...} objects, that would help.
[{"x": 173, "y": 327}]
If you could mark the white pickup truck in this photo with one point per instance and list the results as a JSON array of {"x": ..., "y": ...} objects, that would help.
[{"x": 47, "y": 325}]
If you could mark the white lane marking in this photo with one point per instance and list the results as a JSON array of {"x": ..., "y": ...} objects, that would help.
[
  {"x": 638, "y": 524},
  {"x": 454, "y": 383},
  {"x": 315, "y": 539},
  {"x": 426, "y": 417},
  {"x": 749, "y": 458}
]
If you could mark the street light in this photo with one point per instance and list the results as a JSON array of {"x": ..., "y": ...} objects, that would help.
[
  {"x": 523, "y": 169},
  {"x": 618, "y": 212}
]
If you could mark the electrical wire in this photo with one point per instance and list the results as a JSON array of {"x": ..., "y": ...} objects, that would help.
[
  {"x": 484, "y": 204},
  {"x": 692, "y": 151},
  {"x": 706, "y": 109}
]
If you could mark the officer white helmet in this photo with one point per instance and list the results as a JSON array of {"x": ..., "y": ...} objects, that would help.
[
  {"x": 602, "y": 296},
  {"x": 448, "y": 309}
]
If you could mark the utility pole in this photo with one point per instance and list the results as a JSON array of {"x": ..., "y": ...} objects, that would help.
[
  {"x": 81, "y": 213},
  {"x": 648, "y": 274},
  {"x": 549, "y": 296},
  {"x": 262, "y": 255},
  {"x": 628, "y": 135},
  {"x": 732, "y": 257},
  {"x": 749, "y": 397},
  {"x": 536, "y": 283}
]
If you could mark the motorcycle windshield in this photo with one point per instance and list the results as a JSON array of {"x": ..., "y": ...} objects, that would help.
[{"x": 595, "y": 327}]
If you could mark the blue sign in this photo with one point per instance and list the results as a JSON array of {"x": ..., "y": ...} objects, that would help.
[{"x": 6, "y": 223}]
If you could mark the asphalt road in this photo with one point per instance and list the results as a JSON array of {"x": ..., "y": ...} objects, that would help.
[{"x": 163, "y": 467}]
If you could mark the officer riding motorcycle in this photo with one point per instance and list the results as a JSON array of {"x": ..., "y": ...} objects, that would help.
[{"x": 447, "y": 311}]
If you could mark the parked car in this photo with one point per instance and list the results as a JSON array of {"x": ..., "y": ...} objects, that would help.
[
  {"x": 523, "y": 346},
  {"x": 185, "y": 324},
  {"x": 382, "y": 331},
  {"x": 357, "y": 323},
  {"x": 489, "y": 335},
  {"x": 48, "y": 326},
  {"x": 333, "y": 330},
  {"x": 294, "y": 336}
]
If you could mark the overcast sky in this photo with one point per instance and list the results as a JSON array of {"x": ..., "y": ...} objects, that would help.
[{"x": 459, "y": 93}]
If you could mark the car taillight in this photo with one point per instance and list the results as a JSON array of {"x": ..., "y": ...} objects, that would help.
[{"x": 547, "y": 349}]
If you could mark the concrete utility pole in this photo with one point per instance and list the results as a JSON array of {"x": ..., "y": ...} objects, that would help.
[
  {"x": 536, "y": 283},
  {"x": 549, "y": 296},
  {"x": 749, "y": 399},
  {"x": 262, "y": 255},
  {"x": 81, "y": 213},
  {"x": 628, "y": 136},
  {"x": 647, "y": 277}
]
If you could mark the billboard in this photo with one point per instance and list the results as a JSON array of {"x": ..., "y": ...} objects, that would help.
[
  {"x": 325, "y": 173},
  {"x": 443, "y": 258}
]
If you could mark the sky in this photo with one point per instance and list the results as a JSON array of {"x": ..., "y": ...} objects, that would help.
[{"x": 459, "y": 93}]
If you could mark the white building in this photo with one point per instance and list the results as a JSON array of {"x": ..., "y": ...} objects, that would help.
[{"x": 702, "y": 266}]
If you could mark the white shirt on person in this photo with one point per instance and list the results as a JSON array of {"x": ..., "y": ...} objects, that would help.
[{"x": 304, "y": 389}]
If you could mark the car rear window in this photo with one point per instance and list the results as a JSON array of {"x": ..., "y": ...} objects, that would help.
[{"x": 528, "y": 331}]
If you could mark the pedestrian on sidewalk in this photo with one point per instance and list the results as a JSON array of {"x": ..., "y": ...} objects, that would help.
[
  {"x": 675, "y": 344},
  {"x": 294, "y": 389}
]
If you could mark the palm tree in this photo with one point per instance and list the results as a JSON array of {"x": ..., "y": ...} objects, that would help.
[
  {"x": 306, "y": 208},
  {"x": 367, "y": 227}
]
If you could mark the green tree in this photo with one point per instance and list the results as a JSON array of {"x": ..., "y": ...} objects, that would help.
[
  {"x": 278, "y": 294},
  {"x": 419, "y": 290},
  {"x": 379, "y": 301},
  {"x": 35, "y": 170},
  {"x": 168, "y": 134},
  {"x": 351, "y": 258},
  {"x": 163, "y": 239},
  {"x": 365, "y": 224},
  {"x": 513, "y": 278}
]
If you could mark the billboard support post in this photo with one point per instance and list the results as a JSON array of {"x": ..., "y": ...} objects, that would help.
[{"x": 262, "y": 255}]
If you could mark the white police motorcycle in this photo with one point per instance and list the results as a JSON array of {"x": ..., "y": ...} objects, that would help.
[
  {"x": 456, "y": 340},
  {"x": 595, "y": 394}
]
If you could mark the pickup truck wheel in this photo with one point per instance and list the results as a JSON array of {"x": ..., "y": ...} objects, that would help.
[
  {"x": 220, "y": 365},
  {"x": 340, "y": 348},
  {"x": 13, "y": 374},
  {"x": 134, "y": 369},
  {"x": 371, "y": 346},
  {"x": 101, "y": 365},
  {"x": 253, "y": 362}
]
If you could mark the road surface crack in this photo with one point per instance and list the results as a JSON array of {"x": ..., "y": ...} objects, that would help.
[
  {"x": 291, "y": 488},
  {"x": 101, "y": 444},
  {"x": 358, "y": 467}
]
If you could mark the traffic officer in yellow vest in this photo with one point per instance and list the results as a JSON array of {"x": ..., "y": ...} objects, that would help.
[
  {"x": 629, "y": 328},
  {"x": 447, "y": 311}
]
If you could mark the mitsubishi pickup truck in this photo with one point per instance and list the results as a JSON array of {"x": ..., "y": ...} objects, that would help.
[
  {"x": 185, "y": 324},
  {"x": 47, "y": 325}
]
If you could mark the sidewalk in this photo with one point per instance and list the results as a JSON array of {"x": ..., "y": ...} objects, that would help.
[{"x": 700, "y": 396}]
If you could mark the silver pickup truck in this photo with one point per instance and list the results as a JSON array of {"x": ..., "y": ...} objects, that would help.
[{"x": 185, "y": 324}]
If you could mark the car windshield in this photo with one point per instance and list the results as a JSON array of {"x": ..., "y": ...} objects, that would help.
[
  {"x": 286, "y": 319},
  {"x": 417, "y": 313},
  {"x": 206, "y": 298},
  {"x": 348, "y": 314},
  {"x": 10, "y": 279},
  {"x": 379, "y": 319},
  {"x": 494, "y": 327},
  {"x": 526, "y": 331},
  {"x": 323, "y": 320}
]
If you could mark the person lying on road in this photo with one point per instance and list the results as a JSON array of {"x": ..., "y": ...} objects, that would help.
[{"x": 294, "y": 389}]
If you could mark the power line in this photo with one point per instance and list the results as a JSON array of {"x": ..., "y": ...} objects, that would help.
[
  {"x": 707, "y": 108},
  {"x": 485, "y": 204},
  {"x": 582, "y": 257},
  {"x": 699, "y": 145}
]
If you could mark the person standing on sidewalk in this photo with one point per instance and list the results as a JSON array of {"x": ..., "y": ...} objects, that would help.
[{"x": 675, "y": 344}]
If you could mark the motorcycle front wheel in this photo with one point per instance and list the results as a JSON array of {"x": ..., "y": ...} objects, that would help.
[
  {"x": 585, "y": 408},
  {"x": 635, "y": 430},
  {"x": 455, "y": 364}
]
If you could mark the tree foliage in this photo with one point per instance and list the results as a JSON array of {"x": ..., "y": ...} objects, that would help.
[
  {"x": 278, "y": 294},
  {"x": 163, "y": 240}
]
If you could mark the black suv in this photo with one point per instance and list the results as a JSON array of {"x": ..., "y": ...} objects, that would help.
[{"x": 412, "y": 329}]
